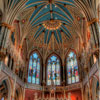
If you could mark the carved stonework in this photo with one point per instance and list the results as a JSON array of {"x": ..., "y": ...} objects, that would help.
[
  {"x": 52, "y": 24},
  {"x": 2, "y": 54}
]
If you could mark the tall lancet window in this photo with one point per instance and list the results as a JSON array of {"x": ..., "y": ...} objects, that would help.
[
  {"x": 34, "y": 69},
  {"x": 53, "y": 71},
  {"x": 72, "y": 68}
]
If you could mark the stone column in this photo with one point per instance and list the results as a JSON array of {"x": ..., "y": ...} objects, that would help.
[
  {"x": 44, "y": 70},
  {"x": 43, "y": 93},
  {"x": 0, "y": 65},
  {"x": 44, "y": 81},
  {"x": 99, "y": 75},
  {"x": 50, "y": 95},
  {"x": 5, "y": 33},
  {"x": 64, "y": 94},
  {"x": 24, "y": 93},
  {"x": 14, "y": 87},
  {"x": 2, "y": 34},
  {"x": 10, "y": 63},
  {"x": 63, "y": 74},
  {"x": 82, "y": 93}
]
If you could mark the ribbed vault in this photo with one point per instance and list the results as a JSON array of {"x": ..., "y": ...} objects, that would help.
[{"x": 48, "y": 25}]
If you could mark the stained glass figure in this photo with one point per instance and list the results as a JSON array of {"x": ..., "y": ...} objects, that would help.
[
  {"x": 53, "y": 70},
  {"x": 72, "y": 68},
  {"x": 34, "y": 69}
]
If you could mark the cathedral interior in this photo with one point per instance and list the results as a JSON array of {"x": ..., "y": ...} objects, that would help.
[{"x": 49, "y": 49}]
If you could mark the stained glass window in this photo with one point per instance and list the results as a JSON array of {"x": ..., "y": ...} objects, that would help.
[
  {"x": 72, "y": 68},
  {"x": 53, "y": 70},
  {"x": 2, "y": 98},
  {"x": 34, "y": 69}
]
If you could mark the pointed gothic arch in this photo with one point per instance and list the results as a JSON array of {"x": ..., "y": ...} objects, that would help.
[{"x": 72, "y": 69}]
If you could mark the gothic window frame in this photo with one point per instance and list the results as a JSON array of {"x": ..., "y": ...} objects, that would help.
[
  {"x": 66, "y": 67},
  {"x": 40, "y": 73},
  {"x": 2, "y": 98},
  {"x": 60, "y": 62}
]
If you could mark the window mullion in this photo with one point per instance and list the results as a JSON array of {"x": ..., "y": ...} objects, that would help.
[
  {"x": 55, "y": 73},
  {"x": 36, "y": 71},
  {"x": 71, "y": 74},
  {"x": 74, "y": 69},
  {"x": 51, "y": 71},
  {"x": 32, "y": 69}
]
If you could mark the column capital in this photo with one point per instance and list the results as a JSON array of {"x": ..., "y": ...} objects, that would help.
[{"x": 8, "y": 26}]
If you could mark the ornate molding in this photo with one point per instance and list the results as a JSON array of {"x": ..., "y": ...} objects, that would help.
[
  {"x": 33, "y": 86},
  {"x": 66, "y": 88},
  {"x": 73, "y": 86}
]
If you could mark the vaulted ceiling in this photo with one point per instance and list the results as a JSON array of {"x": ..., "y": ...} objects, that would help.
[
  {"x": 46, "y": 25},
  {"x": 52, "y": 16},
  {"x": 51, "y": 24}
]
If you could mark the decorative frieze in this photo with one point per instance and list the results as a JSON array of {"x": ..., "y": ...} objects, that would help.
[
  {"x": 33, "y": 86},
  {"x": 66, "y": 88}
]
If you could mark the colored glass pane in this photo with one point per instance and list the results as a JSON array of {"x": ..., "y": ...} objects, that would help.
[
  {"x": 72, "y": 68},
  {"x": 53, "y": 70},
  {"x": 2, "y": 98},
  {"x": 34, "y": 69}
]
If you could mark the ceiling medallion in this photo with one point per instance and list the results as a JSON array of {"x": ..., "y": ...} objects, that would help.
[{"x": 52, "y": 24}]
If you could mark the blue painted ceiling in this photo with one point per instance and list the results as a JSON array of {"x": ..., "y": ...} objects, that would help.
[{"x": 48, "y": 10}]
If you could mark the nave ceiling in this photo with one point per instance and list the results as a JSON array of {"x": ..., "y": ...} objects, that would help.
[{"x": 48, "y": 25}]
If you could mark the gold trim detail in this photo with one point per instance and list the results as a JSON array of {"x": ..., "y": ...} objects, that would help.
[
  {"x": 52, "y": 24},
  {"x": 92, "y": 21},
  {"x": 9, "y": 27}
]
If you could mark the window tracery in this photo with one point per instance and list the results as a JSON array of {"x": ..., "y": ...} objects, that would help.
[
  {"x": 72, "y": 68},
  {"x": 53, "y": 70},
  {"x": 34, "y": 69}
]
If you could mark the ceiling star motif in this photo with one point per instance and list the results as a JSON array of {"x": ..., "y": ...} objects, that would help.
[
  {"x": 52, "y": 24},
  {"x": 52, "y": 17}
]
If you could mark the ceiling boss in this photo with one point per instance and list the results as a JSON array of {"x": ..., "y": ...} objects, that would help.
[
  {"x": 52, "y": 24},
  {"x": 52, "y": 17}
]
